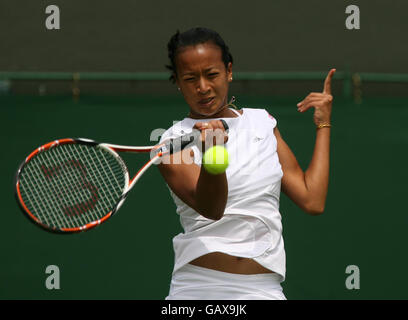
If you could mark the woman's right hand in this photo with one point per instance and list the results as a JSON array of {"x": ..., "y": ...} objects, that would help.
[{"x": 212, "y": 133}]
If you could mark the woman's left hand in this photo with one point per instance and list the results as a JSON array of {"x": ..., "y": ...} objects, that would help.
[{"x": 321, "y": 101}]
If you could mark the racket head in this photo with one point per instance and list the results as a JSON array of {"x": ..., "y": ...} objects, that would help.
[{"x": 71, "y": 185}]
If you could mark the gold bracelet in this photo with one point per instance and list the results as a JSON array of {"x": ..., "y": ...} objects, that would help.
[{"x": 324, "y": 125}]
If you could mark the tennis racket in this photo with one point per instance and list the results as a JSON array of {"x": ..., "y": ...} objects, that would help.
[{"x": 72, "y": 185}]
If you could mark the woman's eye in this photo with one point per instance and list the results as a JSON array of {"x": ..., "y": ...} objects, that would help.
[{"x": 214, "y": 74}]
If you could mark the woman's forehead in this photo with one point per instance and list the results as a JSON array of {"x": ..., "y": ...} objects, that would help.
[{"x": 191, "y": 57}]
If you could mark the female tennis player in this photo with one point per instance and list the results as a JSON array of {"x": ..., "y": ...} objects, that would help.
[{"x": 232, "y": 245}]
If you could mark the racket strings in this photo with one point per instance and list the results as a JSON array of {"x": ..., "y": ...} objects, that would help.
[
  {"x": 96, "y": 171},
  {"x": 71, "y": 185},
  {"x": 73, "y": 190},
  {"x": 105, "y": 167},
  {"x": 54, "y": 191},
  {"x": 40, "y": 193},
  {"x": 49, "y": 193}
]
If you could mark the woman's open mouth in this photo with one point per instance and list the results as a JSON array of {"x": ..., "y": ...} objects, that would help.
[{"x": 206, "y": 102}]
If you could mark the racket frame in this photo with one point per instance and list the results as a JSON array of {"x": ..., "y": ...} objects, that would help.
[{"x": 112, "y": 149}]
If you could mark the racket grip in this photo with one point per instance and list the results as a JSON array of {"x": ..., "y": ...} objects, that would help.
[
  {"x": 180, "y": 143},
  {"x": 224, "y": 123}
]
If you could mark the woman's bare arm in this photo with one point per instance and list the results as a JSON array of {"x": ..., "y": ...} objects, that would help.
[
  {"x": 204, "y": 192},
  {"x": 308, "y": 189}
]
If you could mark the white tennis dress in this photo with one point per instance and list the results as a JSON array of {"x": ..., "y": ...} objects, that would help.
[{"x": 251, "y": 226}]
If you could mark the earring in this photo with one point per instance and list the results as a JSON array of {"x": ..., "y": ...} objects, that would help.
[{"x": 178, "y": 89}]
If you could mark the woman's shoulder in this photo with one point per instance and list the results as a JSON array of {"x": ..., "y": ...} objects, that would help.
[
  {"x": 256, "y": 110},
  {"x": 259, "y": 114}
]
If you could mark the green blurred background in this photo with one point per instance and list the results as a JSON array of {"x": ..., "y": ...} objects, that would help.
[{"x": 131, "y": 256}]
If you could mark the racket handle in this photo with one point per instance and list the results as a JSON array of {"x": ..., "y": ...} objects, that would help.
[
  {"x": 180, "y": 143},
  {"x": 225, "y": 125}
]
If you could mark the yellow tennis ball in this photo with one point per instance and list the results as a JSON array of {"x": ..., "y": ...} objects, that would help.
[{"x": 215, "y": 160}]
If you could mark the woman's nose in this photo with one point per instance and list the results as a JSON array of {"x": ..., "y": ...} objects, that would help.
[{"x": 203, "y": 86}]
